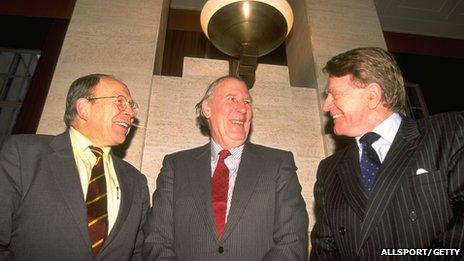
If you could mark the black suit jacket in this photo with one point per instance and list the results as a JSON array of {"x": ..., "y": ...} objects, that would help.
[
  {"x": 42, "y": 211},
  {"x": 405, "y": 209},
  {"x": 267, "y": 218}
]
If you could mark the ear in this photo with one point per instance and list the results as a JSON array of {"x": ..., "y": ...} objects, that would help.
[
  {"x": 83, "y": 108},
  {"x": 206, "y": 109},
  {"x": 374, "y": 95}
]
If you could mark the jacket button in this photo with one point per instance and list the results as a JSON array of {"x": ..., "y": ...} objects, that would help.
[
  {"x": 412, "y": 215},
  {"x": 221, "y": 250},
  {"x": 342, "y": 230}
]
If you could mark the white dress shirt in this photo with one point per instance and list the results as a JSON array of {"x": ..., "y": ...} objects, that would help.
[{"x": 387, "y": 131}]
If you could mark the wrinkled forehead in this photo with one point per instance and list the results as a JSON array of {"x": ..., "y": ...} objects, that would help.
[
  {"x": 335, "y": 83},
  {"x": 232, "y": 86},
  {"x": 110, "y": 87}
]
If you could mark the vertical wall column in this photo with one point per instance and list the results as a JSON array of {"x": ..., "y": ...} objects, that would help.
[
  {"x": 337, "y": 26},
  {"x": 114, "y": 37},
  {"x": 331, "y": 27}
]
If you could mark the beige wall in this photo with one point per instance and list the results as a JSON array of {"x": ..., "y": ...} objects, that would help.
[{"x": 115, "y": 37}]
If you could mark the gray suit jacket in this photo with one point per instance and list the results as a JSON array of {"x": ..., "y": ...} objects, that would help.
[
  {"x": 267, "y": 218},
  {"x": 42, "y": 212},
  {"x": 406, "y": 209}
]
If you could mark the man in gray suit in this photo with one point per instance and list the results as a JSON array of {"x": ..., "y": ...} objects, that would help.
[
  {"x": 400, "y": 184},
  {"x": 67, "y": 197},
  {"x": 229, "y": 199}
]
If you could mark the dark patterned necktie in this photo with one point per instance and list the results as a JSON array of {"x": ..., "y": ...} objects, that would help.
[
  {"x": 220, "y": 188},
  {"x": 370, "y": 162},
  {"x": 96, "y": 201}
]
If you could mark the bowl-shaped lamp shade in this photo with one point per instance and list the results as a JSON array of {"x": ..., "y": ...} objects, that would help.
[{"x": 230, "y": 24}]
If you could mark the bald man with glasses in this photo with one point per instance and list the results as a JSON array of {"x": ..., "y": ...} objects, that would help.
[{"x": 67, "y": 197}]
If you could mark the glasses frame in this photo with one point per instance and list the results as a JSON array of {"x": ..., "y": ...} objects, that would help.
[{"x": 121, "y": 102}]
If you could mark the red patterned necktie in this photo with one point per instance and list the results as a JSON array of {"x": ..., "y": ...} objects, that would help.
[
  {"x": 96, "y": 201},
  {"x": 220, "y": 188}
]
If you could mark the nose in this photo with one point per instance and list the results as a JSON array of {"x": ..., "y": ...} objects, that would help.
[
  {"x": 129, "y": 111},
  {"x": 241, "y": 106},
  {"x": 328, "y": 103}
]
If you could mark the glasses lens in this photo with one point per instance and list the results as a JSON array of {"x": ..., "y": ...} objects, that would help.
[
  {"x": 122, "y": 104},
  {"x": 134, "y": 106}
]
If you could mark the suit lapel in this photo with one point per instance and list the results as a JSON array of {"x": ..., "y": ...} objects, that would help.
[
  {"x": 392, "y": 171},
  {"x": 126, "y": 185},
  {"x": 200, "y": 178},
  {"x": 350, "y": 176},
  {"x": 65, "y": 174},
  {"x": 248, "y": 175}
]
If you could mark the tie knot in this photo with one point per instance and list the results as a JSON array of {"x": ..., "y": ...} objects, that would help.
[
  {"x": 224, "y": 154},
  {"x": 96, "y": 151},
  {"x": 369, "y": 138}
]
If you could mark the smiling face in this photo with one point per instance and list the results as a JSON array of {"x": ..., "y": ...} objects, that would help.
[
  {"x": 100, "y": 120},
  {"x": 348, "y": 105},
  {"x": 229, "y": 113}
]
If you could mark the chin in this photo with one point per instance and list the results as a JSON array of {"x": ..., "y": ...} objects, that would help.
[
  {"x": 121, "y": 141},
  {"x": 118, "y": 140},
  {"x": 238, "y": 142},
  {"x": 338, "y": 132},
  {"x": 238, "y": 136}
]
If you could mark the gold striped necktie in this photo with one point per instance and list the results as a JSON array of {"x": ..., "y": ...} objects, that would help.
[{"x": 96, "y": 201}]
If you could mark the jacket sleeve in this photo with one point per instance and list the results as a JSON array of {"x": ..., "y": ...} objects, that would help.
[
  {"x": 158, "y": 229},
  {"x": 291, "y": 218},
  {"x": 453, "y": 236},
  {"x": 10, "y": 194}
]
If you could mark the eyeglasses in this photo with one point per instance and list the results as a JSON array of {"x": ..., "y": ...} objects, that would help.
[{"x": 122, "y": 102}]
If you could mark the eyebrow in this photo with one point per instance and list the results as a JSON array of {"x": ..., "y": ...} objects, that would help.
[
  {"x": 236, "y": 94},
  {"x": 127, "y": 96}
]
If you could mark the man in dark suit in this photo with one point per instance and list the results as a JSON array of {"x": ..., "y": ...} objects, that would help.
[
  {"x": 400, "y": 184},
  {"x": 67, "y": 197},
  {"x": 229, "y": 199}
]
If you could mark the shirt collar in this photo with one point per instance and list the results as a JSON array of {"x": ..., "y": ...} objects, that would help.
[
  {"x": 216, "y": 148},
  {"x": 82, "y": 143},
  {"x": 387, "y": 129}
]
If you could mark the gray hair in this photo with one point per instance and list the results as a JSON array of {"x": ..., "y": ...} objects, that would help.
[
  {"x": 202, "y": 121},
  {"x": 372, "y": 65},
  {"x": 81, "y": 88}
]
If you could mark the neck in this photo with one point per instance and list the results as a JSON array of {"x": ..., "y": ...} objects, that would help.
[
  {"x": 377, "y": 118},
  {"x": 82, "y": 130},
  {"x": 228, "y": 146}
]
